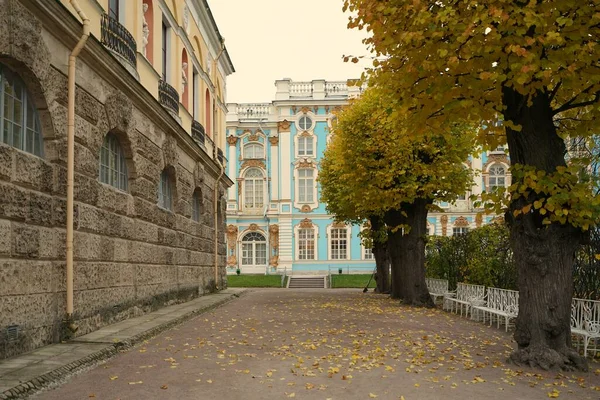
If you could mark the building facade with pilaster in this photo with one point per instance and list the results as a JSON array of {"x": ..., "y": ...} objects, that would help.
[{"x": 275, "y": 219}]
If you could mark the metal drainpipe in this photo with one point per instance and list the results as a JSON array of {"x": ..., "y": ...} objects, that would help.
[
  {"x": 216, "y": 191},
  {"x": 70, "y": 161}
]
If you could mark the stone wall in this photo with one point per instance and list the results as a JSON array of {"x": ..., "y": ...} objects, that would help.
[{"x": 130, "y": 255}]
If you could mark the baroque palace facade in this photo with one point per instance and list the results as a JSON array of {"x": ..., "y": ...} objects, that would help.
[
  {"x": 149, "y": 182},
  {"x": 275, "y": 220}
]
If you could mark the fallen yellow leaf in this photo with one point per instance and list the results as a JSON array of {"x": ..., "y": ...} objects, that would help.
[
  {"x": 164, "y": 387},
  {"x": 371, "y": 395},
  {"x": 553, "y": 394},
  {"x": 135, "y": 383},
  {"x": 112, "y": 378}
]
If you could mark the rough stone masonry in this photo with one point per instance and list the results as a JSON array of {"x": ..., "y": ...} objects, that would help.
[{"x": 130, "y": 255}]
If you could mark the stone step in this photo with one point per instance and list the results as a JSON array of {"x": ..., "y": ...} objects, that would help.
[{"x": 296, "y": 282}]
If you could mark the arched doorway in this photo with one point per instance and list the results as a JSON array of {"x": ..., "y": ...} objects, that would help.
[{"x": 254, "y": 251}]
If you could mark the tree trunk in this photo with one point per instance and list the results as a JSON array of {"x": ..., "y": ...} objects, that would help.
[
  {"x": 381, "y": 257},
  {"x": 407, "y": 253},
  {"x": 543, "y": 254}
]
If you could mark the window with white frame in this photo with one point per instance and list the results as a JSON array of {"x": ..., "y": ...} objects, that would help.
[
  {"x": 113, "y": 169},
  {"x": 462, "y": 230},
  {"x": 254, "y": 150},
  {"x": 305, "y": 146},
  {"x": 306, "y": 244},
  {"x": 196, "y": 205},
  {"x": 19, "y": 121},
  {"x": 253, "y": 189},
  {"x": 306, "y": 184},
  {"x": 338, "y": 243},
  {"x": 368, "y": 253},
  {"x": 165, "y": 191},
  {"x": 254, "y": 249},
  {"x": 496, "y": 177},
  {"x": 305, "y": 123}
]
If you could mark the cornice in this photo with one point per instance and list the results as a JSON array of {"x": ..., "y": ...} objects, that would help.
[{"x": 56, "y": 18}]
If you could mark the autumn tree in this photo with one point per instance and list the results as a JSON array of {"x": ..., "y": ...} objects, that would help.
[
  {"x": 373, "y": 168},
  {"x": 534, "y": 65}
]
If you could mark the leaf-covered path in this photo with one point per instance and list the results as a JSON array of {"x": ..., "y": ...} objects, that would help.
[{"x": 324, "y": 344}]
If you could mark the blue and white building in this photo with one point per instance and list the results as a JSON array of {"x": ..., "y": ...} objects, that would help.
[{"x": 275, "y": 220}]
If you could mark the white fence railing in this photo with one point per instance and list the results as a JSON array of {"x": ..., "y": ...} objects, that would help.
[{"x": 301, "y": 89}]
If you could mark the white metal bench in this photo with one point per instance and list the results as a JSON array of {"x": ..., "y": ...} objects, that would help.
[
  {"x": 465, "y": 296},
  {"x": 499, "y": 304},
  {"x": 585, "y": 323},
  {"x": 438, "y": 288}
]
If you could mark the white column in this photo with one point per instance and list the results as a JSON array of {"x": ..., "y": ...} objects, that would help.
[
  {"x": 274, "y": 172},
  {"x": 231, "y": 170},
  {"x": 286, "y": 175}
]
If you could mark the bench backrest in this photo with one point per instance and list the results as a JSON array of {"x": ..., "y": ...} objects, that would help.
[
  {"x": 503, "y": 300},
  {"x": 467, "y": 292},
  {"x": 584, "y": 313},
  {"x": 437, "y": 285}
]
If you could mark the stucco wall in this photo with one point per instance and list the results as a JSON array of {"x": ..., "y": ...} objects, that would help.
[{"x": 130, "y": 255}]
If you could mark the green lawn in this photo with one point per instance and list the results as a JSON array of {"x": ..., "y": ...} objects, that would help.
[
  {"x": 254, "y": 280},
  {"x": 351, "y": 281}
]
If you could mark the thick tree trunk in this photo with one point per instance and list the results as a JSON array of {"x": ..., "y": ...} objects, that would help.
[
  {"x": 407, "y": 253},
  {"x": 381, "y": 257},
  {"x": 544, "y": 254}
]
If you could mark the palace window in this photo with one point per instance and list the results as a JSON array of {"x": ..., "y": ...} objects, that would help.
[
  {"x": 197, "y": 205},
  {"x": 368, "y": 253},
  {"x": 113, "y": 169},
  {"x": 19, "y": 121},
  {"x": 306, "y": 184},
  {"x": 254, "y": 249},
  {"x": 253, "y": 150},
  {"x": 338, "y": 243},
  {"x": 305, "y": 123},
  {"x": 305, "y": 146},
  {"x": 456, "y": 231},
  {"x": 165, "y": 191},
  {"x": 496, "y": 177},
  {"x": 306, "y": 244},
  {"x": 253, "y": 189}
]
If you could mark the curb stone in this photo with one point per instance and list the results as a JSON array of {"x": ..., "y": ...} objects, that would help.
[{"x": 25, "y": 389}]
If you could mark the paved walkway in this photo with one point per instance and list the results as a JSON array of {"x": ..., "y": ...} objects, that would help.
[
  {"x": 25, "y": 373},
  {"x": 324, "y": 344}
]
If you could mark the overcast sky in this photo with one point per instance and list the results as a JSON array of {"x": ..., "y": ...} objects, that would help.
[{"x": 275, "y": 39}]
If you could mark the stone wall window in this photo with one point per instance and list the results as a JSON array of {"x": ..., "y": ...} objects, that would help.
[
  {"x": 19, "y": 121},
  {"x": 113, "y": 169},
  {"x": 497, "y": 177},
  {"x": 254, "y": 249},
  {"x": 306, "y": 244},
  {"x": 338, "y": 243},
  {"x": 196, "y": 205},
  {"x": 305, "y": 146},
  {"x": 253, "y": 189},
  {"x": 254, "y": 150},
  {"x": 306, "y": 185},
  {"x": 165, "y": 191}
]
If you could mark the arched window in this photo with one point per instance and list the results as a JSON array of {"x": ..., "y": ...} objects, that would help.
[
  {"x": 113, "y": 169},
  {"x": 197, "y": 205},
  {"x": 497, "y": 177},
  {"x": 19, "y": 121},
  {"x": 253, "y": 150},
  {"x": 254, "y": 249},
  {"x": 253, "y": 193},
  {"x": 165, "y": 191}
]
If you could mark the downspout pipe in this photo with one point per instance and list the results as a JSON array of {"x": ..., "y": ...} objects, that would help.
[
  {"x": 71, "y": 162},
  {"x": 216, "y": 189}
]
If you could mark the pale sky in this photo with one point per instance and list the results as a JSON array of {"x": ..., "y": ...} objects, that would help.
[{"x": 275, "y": 39}]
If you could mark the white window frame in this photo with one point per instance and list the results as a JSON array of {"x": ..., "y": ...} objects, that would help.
[
  {"x": 460, "y": 230},
  {"x": 491, "y": 187},
  {"x": 305, "y": 153},
  {"x": 253, "y": 249},
  {"x": 367, "y": 254},
  {"x": 29, "y": 127},
  {"x": 315, "y": 230},
  {"x": 113, "y": 167},
  {"x": 331, "y": 238},
  {"x": 247, "y": 154},
  {"x": 254, "y": 180},
  {"x": 305, "y": 128},
  {"x": 298, "y": 203}
]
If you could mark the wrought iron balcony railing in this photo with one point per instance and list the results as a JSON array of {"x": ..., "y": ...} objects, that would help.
[
  {"x": 168, "y": 96},
  {"x": 198, "y": 133},
  {"x": 118, "y": 39}
]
